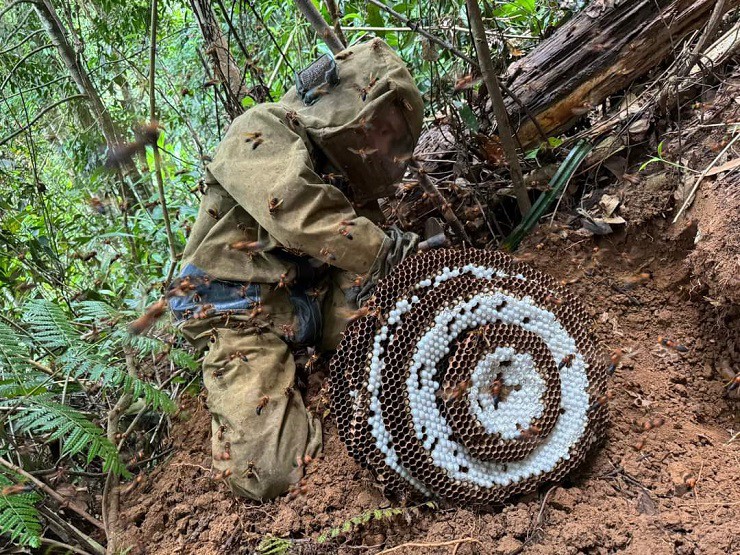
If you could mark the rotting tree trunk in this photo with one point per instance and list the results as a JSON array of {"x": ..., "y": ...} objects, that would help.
[
  {"x": 597, "y": 53},
  {"x": 58, "y": 35},
  {"x": 224, "y": 66}
]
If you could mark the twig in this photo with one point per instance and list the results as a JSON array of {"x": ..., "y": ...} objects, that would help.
[
  {"x": 155, "y": 146},
  {"x": 695, "y": 188},
  {"x": 39, "y": 116},
  {"x": 111, "y": 493},
  {"x": 537, "y": 522},
  {"x": 665, "y": 97},
  {"x": 440, "y": 202},
  {"x": 25, "y": 39},
  {"x": 51, "y": 493},
  {"x": 256, "y": 74},
  {"x": 63, "y": 528},
  {"x": 319, "y": 25},
  {"x": 336, "y": 17},
  {"x": 20, "y": 62},
  {"x": 696, "y": 491},
  {"x": 64, "y": 546},
  {"x": 416, "y": 27},
  {"x": 499, "y": 109},
  {"x": 7, "y": 8},
  {"x": 433, "y": 544},
  {"x": 275, "y": 71}
]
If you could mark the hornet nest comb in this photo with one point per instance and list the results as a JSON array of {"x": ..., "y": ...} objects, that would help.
[{"x": 471, "y": 379}]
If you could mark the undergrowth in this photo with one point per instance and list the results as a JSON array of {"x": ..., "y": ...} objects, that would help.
[
  {"x": 58, "y": 370},
  {"x": 272, "y": 545}
]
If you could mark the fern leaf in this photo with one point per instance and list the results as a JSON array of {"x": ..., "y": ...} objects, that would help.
[
  {"x": 96, "y": 311},
  {"x": 184, "y": 359},
  {"x": 19, "y": 518},
  {"x": 14, "y": 352},
  {"x": 49, "y": 324},
  {"x": 61, "y": 421}
]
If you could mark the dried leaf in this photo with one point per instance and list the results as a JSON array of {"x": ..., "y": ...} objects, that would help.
[
  {"x": 492, "y": 150},
  {"x": 645, "y": 504},
  {"x": 609, "y": 204},
  {"x": 597, "y": 226},
  {"x": 732, "y": 164}
]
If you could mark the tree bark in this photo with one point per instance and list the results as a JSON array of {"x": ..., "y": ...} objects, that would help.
[
  {"x": 597, "y": 53},
  {"x": 223, "y": 63},
  {"x": 58, "y": 35}
]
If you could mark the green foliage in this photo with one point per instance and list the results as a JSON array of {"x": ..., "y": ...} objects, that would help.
[
  {"x": 274, "y": 546},
  {"x": 375, "y": 515},
  {"x": 557, "y": 184},
  {"x": 19, "y": 518},
  {"x": 660, "y": 158},
  {"x": 45, "y": 417}
]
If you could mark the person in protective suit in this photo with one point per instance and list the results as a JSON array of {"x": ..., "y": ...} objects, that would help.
[{"x": 286, "y": 239}]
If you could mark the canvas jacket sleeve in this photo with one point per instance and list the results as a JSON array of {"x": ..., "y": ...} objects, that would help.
[{"x": 264, "y": 163}]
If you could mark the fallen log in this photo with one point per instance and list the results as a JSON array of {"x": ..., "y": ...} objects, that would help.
[{"x": 597, "y": 53}]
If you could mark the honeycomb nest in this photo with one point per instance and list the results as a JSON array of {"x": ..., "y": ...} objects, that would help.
[{"x": 472, "y": 379}]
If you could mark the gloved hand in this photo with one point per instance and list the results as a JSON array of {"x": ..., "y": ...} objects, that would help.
[
  {"x": 434, "y": 242},
  {"x": 401, "y": 245}
]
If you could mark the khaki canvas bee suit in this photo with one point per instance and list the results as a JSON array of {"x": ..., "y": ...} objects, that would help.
[{"x": 288, "y": 222}]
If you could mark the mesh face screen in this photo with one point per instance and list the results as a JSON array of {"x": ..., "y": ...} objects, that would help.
[{"x": 472, "y": 379}]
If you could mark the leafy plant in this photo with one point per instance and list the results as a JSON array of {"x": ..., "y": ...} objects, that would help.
[
  {"x": 19, "y": 518},
  {"x": 274, "y": 546},
  {"x": 557, "y": 184},
  {"x": 662, "y": 159},
  {"x": 48, "y": 365},
  {"x": 376, "y": 515}
]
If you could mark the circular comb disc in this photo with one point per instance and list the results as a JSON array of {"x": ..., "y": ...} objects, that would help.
[{"x": 472, "y": 379}]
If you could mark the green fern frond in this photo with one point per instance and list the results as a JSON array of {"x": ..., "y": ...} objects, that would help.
[
  {"x": 49, "y": 324},
  {"x": 274, "y": 546},
  {"x": 45, "y": 416},
  {"x": 96, "y": 311},
  {"x": 83, "y": 364},
  {"x": 19, "y": 518},
  {"x": 157, "y": 399},
  {"x": 14, "y": 352},
  {"x": 143, "y": 343},
  {"x": 29, "y": 384},
  {"x": 183, "y": 359}
]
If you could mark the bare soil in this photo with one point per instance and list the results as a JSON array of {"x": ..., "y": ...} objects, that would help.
[{"x": 672, "y": 489}]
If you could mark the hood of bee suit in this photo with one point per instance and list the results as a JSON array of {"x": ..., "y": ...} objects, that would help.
[{"x": 368, "y": 124}]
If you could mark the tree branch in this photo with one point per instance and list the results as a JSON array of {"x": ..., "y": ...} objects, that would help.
[
  {"x": 39, "y": 116},
  {"x": 499, "y": 110},
  {"x": 111, "y": 493},
  {"x": 23, "y": 59},
  {"x": 417, "y": 28},
  {"x": 668, "y": 94},
  {"x": 21, "y": 43},
  {"x": 155, "y": 146},
  {"x": 313, "y": 16},
  {"x": 439, "y": 201},
  {"x": 51, "y": 493},
  {"x": 10, "y": 6},
  {"x": 336, "y": 17}
]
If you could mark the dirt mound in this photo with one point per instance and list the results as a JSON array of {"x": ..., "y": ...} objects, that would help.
[{"x": 670, "y": 489}]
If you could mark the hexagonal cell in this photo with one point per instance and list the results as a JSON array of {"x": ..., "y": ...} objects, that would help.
[{"x": 464, "y": 276}]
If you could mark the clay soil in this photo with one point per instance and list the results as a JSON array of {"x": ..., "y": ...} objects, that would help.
[{"x": 672, "y": 489}]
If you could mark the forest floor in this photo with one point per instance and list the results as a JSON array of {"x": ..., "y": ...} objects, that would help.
[{"x": 673, "y": 489}]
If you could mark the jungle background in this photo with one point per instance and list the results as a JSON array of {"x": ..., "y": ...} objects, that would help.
[{"x": 110, "y": 112}]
